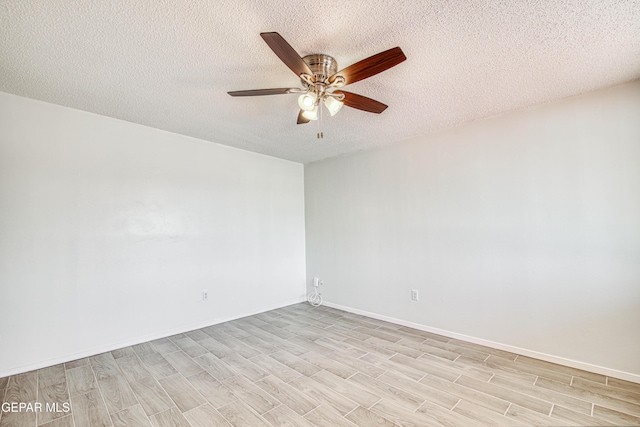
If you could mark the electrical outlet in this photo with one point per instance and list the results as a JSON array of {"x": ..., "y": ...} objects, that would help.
[
  {"x": 205, "y": 295},
  {"x": 414, "y": 295}
]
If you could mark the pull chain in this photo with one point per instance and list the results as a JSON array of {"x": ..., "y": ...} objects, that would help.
[{"x": 320, "y": 134}]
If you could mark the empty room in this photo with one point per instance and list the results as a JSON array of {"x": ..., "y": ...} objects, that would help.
[{"x": 370, "y": 213}]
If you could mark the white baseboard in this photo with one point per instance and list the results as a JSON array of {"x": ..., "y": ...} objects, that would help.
[
  {"x": 627, "y": 376},
  {"x": 138, "y": 340}
]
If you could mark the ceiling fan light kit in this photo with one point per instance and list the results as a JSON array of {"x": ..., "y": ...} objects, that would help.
[{"x": 322, "y": 82}]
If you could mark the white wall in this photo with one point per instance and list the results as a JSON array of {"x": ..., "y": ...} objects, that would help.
[
  {"x": 109, "y": 232},
  {"x": 522, "y": 229}
]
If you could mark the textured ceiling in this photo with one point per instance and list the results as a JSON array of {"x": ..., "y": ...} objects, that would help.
[{"x": 169, "y": 64}]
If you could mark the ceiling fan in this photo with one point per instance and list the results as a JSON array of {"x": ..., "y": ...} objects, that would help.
[{"x": 322, "y": 82}]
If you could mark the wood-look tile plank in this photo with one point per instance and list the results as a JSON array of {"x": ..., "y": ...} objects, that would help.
[
  {"x": 241, "y": 416},
  {"x": 401, "y": 415},
  {"x": 469, "y": 371},
  {"x": 164, "y": 345},
  {"x": 295, "y": 363},
  {"x": 123, "y": 352},
  {"x": 426, "y": 367},
  {"x": 328, "y": 363},
  {"x": 169, "y": 418},
  {"x": 530, "y": 369},
  {"x": 274, "y": 330},
  {"x": 246, "y": 368},
  {"x": 625, "y": 385},
  {"x": 350, "y": 360},
  {"x": 309, "y": 345},
  {"x": 388, "y": 391},
  {"x": 216, "y": 367},
  {"x": 350, "y": 390},
  {"x": 133, "y": 368},
  {"x": 532, "y": 418},
  {"x": 429, "y": 349},
  {"x": 440, "y": 416},
  {"x": 286, "y": 394},
  {"x": 216, "y": 348},
  {"x": 230, "y": 328},
  {"x": 396, "y": 348},
  {"x": 3, "y": 384},
  {"x": 77, "y": 363},
  {"x": 512, "y": 396},
  {"x": 341, "y": 346},
  {"x": 444, "y": 399},
  {"x": 151, "y": 396},
  {"x": 81, "y": 380},
  {"x": 259, "y": 344},
  {"x": 569, "y": 402},
  {"x": 233, "y": 343},
  {"x": 55, "y": 397},
  {"x": 183, "y": 363},
  {"x": 283, "y": 416},
  {"x": 131, "y": 417},
  {"x": 524, "y": 360},
  {"x": 51, "y": 376},
  {"x": 182, "y": 392},
  {"x": 197, "y": 335},
  {"x": 389, "y": 365},
  {"x": 205, "y": 416},
  {"x": 66, "y": 421},
  {"x": 325, "y": 417},
  {"x": 276, "y": 341},
  {"x": 275, "y": 368},
  {"x": 90, "y": 410},
  {"x": 324, "y": 395},
  {"x": 365, "y": 418},
  {"x": 401, "y": 334},
  {"x": 592, "y": 396},
  {"x": 505, "y": 355},
  {"x": 18, "y": 419},
  {"x": 616, "y": 417},
  {"x": 484, "y": 416},
  {"x": 606, "y": 390},
  {"x": 117, "y": 393},
  {"x": 104, "y": 366},
  {"x": 378, "y": 334},
  {"x": 157, "y": 365},
  {"x": 211, "y": 389},
  {"x": 21, "y": 388},
  {"x": 461, "y": 350},
  {"x": 346, "y": 333},
  {"x": 490, "y": 402},
  {"x": 576, "y": 418},
  {"x": 502, "y": 370},
  {"x": 424, "y": 334},
  {"x": 143, "y": 349},
  {"x": 190, "y": 347},
  {"x": 251, "y": 394}
]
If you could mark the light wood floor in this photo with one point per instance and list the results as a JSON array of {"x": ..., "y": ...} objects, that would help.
[{"x": 304, "y": 366}]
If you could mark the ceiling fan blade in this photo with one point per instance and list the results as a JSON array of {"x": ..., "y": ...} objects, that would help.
[
  {"x": 363, "y": 103},
  {"x": 301, "y": 119},
  {"x": 260, "y": 92},
  {"x": 371, "y": 66},
  {"x": 286, "y": 53}
]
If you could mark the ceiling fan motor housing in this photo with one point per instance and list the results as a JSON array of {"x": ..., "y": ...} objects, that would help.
[{"x": 322, "y": 66}]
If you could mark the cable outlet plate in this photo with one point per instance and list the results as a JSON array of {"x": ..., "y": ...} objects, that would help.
[
  {"x": 414, "y": 295},
  {"x": 205, "y": 295}
]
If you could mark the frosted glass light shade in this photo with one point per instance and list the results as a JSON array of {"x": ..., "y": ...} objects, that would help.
[
  {"x": 333, "y": 105},
  {"x": 311, "y": 114},
  {"x": 307, "y": 101}
]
